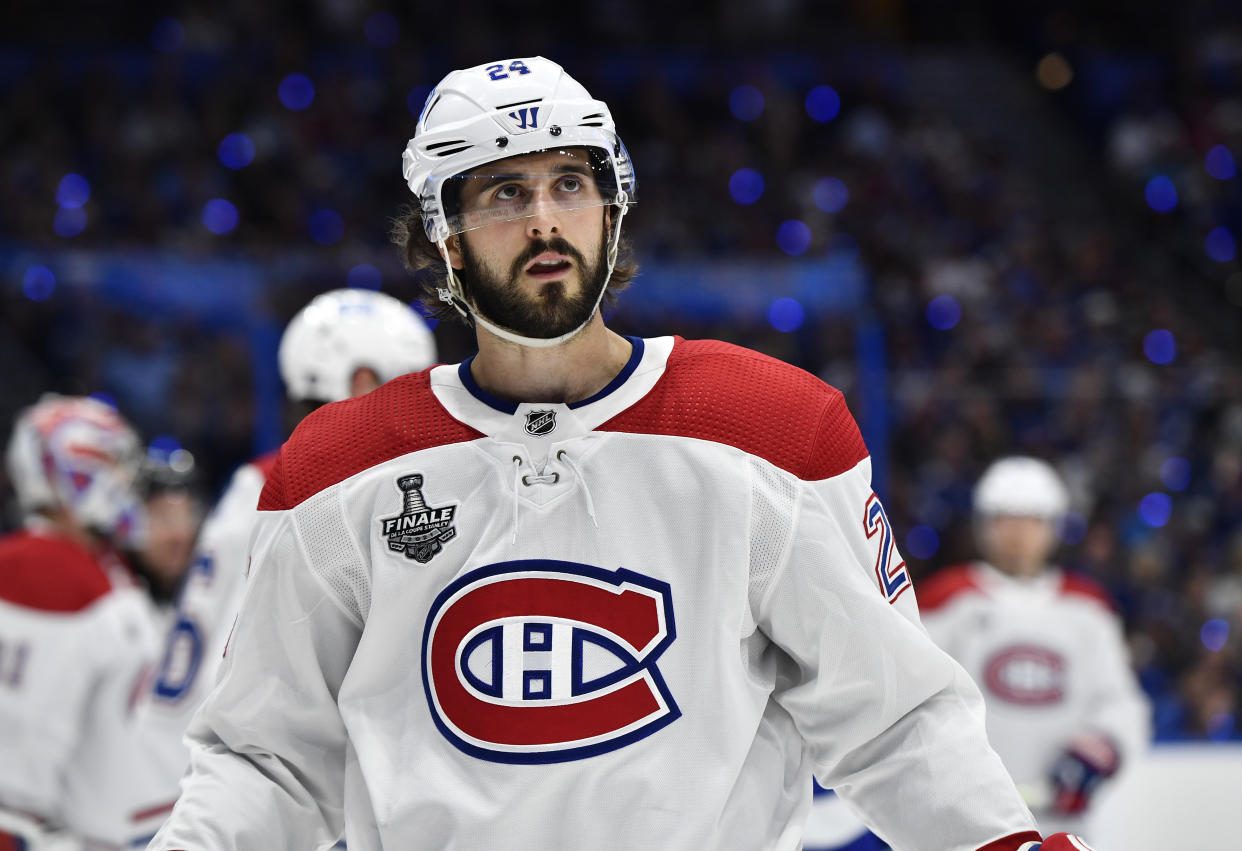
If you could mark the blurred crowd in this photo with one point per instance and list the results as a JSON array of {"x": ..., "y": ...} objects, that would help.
[{"x": 1054, "y": 268}]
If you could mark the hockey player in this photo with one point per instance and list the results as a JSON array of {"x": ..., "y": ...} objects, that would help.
[
  {"x": 580, "y": 590},
  {"x": 343, "y": 343},
  {"x": 1064, "y": 709},
  {"x": 173, "y": 513},
  {"x": 76, "y": 633}
]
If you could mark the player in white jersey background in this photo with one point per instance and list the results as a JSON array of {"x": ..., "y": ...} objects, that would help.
[
  {"x": 1065, "y": 711},
  {"x": 580, "y": 590},
  {"x": 343, "y": 343},
  {"x": 77, "y": 635}
]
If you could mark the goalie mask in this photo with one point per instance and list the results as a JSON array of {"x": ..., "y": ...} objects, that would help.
[
  {"x": 341, "y": 331},
  {"x": 488, "y": 114},
  {"x": 79, "y": 455}
]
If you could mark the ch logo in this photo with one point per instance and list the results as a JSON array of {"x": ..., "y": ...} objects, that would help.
[
  {"x": 541, "y": 661},
  {"x": 526, "y": 118}
]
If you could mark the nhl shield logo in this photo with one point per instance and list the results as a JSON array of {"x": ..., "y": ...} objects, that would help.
[
  {"x": 420, "y": 531},
  {"x": 540, "y": 423}
]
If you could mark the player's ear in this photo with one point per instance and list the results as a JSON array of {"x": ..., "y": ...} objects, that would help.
[{"x": 452, "y": 252}]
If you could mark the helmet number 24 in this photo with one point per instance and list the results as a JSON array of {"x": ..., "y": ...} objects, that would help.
[{"x": 497, "y": 72}]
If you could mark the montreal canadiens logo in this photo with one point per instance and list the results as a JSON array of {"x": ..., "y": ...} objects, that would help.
[
  {"x": 545, "y": 661},
  {"x": 1026, "y": 674}
]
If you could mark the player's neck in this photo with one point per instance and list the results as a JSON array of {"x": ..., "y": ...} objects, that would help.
[{"x": 570, "y": 372}]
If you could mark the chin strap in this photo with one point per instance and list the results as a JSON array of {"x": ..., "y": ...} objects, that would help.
[{"x": 455, "y": 295}]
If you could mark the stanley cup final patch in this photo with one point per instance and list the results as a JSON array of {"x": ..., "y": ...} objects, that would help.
[{"x": 420, "y": 530}]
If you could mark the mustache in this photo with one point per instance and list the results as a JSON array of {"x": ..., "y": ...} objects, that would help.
[{"x": 558, "y": 244}]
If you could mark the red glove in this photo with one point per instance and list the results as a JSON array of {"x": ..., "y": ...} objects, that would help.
[
  {"x": 1058, "y": 842},
  {"x": 1077, "y": 772}
]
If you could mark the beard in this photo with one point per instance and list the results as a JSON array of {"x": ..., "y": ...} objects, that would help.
[{"x": 550, "y": 313}]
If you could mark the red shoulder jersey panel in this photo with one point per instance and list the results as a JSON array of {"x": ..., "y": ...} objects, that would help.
[
  {"x": 1076, "y": 584},
  {"x": 944, "y": 585},
  {"x": 727, "y": 394},
  {"x": 344, "y": 438},
  {"x": 49, "y": 573}
]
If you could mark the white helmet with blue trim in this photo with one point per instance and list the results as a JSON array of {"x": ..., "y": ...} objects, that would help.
[
  {"x": 339, "y": 332},
  {"x": 1023, "y": 486},
  {"x": 500, "y": 110}
]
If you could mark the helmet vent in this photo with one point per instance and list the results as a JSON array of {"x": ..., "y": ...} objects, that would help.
[
  {"x": 437, "y": 145},
  {"x": 519, "y": 103},
  {"x": 452, "y": 151}
]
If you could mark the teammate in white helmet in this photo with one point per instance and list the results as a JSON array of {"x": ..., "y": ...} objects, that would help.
[
  {"x": 580, "y": 590},
  {"x": 1065, "y": 711},
  {"x": 343, "y": 343},
  {"x": 76, "y": 633}
]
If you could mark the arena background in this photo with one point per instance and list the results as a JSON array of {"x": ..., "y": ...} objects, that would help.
[{"x": 996, "y": 227}]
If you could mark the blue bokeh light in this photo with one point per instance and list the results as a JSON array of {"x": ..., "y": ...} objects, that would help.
[
  {"x": 296, "y": 91},
  {"x": 38, "y": 283},
  {"x": 236, "y": 151},
  {"x": 1220, "y": 164},
  {"x": 786, "y": 315},
  {"x": 1160, "y": 346},
  {"x": 823, "y": 104},
  {"x": 922, "y": 542},
  {"x": 382, "y": 29},
  {"x": 746, "y": 186},
  {"x": 364, "y": 276},
  {"x": 831, "y": 195},
  {"x": 326, "y": 226},
  {"x": 163, "y": 445},
  {"x": 746, "y": 103},
  {"x": 73, "y": 191},
  {"x": 793, "y": 237},
  {"x": 107, "y": 398},
  {"x": 1161, "y": 194},
  {"x": 943, "y": 312},
  {"x": 69, "y": 222},
  {"x": 1214, "y": 634},
  {"x": 220, "y": 216},
  {"x": 168, "y": 35},
  {"x": 1175, "y": 473},
  {"x": 1155, "y": 509},
  {"x": 1072, "y": 528},
  {"x": 1220, "y": 245}
]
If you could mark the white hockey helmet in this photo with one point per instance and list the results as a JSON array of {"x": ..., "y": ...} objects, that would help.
[
  {"x": 500, "y": 110},
  {"x": 78, "y": 454},
  {"x": 1021, "y": 485},
  {"x": 339, "y": 332}
]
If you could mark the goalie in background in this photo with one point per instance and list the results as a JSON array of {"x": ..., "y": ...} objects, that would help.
[
  {"x": 77, "y": 632},
  {"x": 1064, "y": 709}
]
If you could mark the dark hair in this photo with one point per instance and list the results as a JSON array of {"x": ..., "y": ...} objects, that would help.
[{"x": 422, "y": 257}]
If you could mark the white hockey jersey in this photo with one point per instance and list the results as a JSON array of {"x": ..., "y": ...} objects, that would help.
[
  {"x": 1049, "y": 655},
  {"x": 642, "y": 620},
  {"x": 194, "y": 645},
  {"x": 77, "y": 640}
]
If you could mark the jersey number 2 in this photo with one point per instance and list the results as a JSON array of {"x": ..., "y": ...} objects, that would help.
[{"x": 894, "y": 578}]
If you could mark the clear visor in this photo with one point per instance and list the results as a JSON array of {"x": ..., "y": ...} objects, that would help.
[{"x": 552, "y": 182}]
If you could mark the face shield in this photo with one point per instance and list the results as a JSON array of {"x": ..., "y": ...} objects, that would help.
[{"x": 521, "y": 187}]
